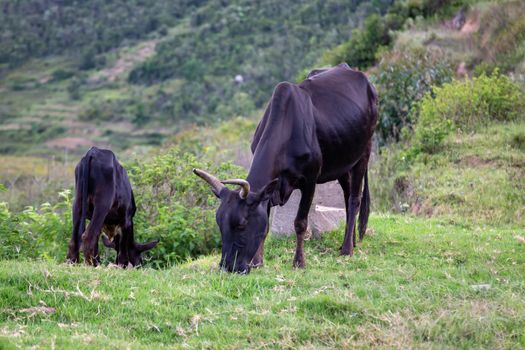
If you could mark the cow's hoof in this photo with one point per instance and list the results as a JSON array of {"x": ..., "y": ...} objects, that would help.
[
  {"x": 298, "y": 263},
  {"x": 347, "y": 252},
  {"x": 256, "y": 265},
  {"x": 72, "y": 259}
]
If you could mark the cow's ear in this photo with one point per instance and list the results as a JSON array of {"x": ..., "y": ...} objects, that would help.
[
  {"x": 222, "y": 193},
  {"x": 267, "y": 191},
  {"x": 107, "y": 242}
]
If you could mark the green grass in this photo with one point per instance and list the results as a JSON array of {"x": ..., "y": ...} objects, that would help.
[
  {"x": 478, "y": 177},
  {"x": 414, "y": 283}
]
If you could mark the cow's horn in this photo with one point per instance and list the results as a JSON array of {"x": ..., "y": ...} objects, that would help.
[
  {"x": 245, "y": 186},
  {"x": 142, "y": 247},
  {"x": 215, "y": 183}
]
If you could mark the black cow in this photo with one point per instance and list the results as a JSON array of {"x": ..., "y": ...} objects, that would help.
[
  {"x": 104, "y": 196},
  {"x": 313, "y": 132}
]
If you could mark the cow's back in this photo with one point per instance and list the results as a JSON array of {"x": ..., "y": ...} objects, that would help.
[{"x": 344, "y": 120}]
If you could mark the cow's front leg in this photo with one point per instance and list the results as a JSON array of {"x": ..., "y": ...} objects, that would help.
[
  {"x": 301, "y": 223},
  {"x": 258, "y": 259}
]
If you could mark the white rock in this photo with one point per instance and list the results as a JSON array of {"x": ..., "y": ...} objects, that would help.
[{"x": 327, "y": 212}]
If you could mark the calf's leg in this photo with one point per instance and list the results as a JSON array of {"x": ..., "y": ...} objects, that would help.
[{"x": 90, "y": 237}]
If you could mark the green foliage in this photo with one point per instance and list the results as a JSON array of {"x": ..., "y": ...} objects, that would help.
[
  {"x": 173, "y": 205},
  {"x": 34, "y": 28},
  {"x": 518, "y": 140},
  {"x": 12, "y": 141},
  {"x": 467, "y": 105},
  {"x": 502, "y": 36},
  {"x": 265, "y": 42},
  {"x": 177, "y": 206},
  {"x": 74, "y": 87},
  {"x": 376, "y": 33},
  {"x": 402, "y": 77},
  {"x": 360, "y": 50},
  {"x": 36, "y": 233},
  {"x": 62, "y": 74}
]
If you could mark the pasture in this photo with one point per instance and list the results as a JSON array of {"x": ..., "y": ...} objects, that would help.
[
  {"x": 413, "y": 283},
  {"x": 172, "y": 86}
]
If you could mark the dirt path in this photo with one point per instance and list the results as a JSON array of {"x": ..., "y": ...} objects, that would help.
[{"x": 125, "y": 63}]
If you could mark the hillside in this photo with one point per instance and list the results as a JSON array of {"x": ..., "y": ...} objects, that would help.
[
  {"x": 133, "y": 73},
  {"x": 415, "y": 283}
]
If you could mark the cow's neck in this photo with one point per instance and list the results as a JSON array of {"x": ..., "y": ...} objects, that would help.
[{"x": 265, "y": 165}]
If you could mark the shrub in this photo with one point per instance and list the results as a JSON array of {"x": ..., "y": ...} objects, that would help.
[
  {"x": 361, "y": 49},
  {"x": 172, "y": 204},
  {"x": 466, "y": 105},
  {"x": 176, "y": 206},
  {"x": 402, "y": 78},
  {"x": 36, "y": 233},
  {"x": 62, "y": 74}
]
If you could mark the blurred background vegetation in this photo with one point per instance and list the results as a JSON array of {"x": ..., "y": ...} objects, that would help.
[{"x": 169, "y": 85}]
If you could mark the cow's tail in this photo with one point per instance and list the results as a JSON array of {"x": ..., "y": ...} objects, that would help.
[
  {"x": 84, "y": 176},
  {"x": 364, "y": 208}
]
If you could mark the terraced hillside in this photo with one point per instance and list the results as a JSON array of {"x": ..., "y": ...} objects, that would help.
[{"x": 120, "y": 82}]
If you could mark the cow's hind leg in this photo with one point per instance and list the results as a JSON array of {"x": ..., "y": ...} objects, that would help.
[
  {"x": 90, "y": 237},
  {"x": 301, "y": 223},
  {"x": 353, "y": 201},
  {"x": 344, "y": 181}
]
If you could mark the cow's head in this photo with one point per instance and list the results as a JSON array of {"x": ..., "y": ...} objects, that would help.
[
  {"x": 128, "y": 253},
  {"x": 242, "y": 218}
]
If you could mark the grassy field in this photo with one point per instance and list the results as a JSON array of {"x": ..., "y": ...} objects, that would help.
[{"x": 413, "y": 283}]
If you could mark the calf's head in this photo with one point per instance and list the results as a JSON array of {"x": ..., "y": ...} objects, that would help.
[
  {"x": 242, "y": 218},
  {"x": 128, "y": 252}
]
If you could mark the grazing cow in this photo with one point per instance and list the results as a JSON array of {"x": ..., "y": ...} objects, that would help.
[
  {"x": 104, "y": 196},
  {"x": 313, "y": 132}
]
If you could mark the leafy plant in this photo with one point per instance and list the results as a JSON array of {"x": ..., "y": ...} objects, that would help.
[
  {"x": 176, "y": 206},
  {"x": 467, "y": 105},
  {"x": 403, "y": 76},
  {"x": 42, "y": 232}
]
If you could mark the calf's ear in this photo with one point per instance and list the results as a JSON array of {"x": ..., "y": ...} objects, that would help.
[
  {"x": 107, "y": 242},
  {"x": 266, "y": 192},
  {"x": 142, "y": 247}
]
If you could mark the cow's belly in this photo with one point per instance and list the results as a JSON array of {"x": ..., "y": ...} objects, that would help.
[{"x": 340, "y": 158}]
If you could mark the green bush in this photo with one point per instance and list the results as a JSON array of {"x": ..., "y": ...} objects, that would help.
[
  {"x": 360, "y": 50},
  {"x": 402, "y": 78},
  {"x": 36, "y": 233},
  {"x": 172, "y": 204},
  {"x": 467, "y": 105},
  {"x": 365, "y": 43},
  {"x": 176, "y": 206}
]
